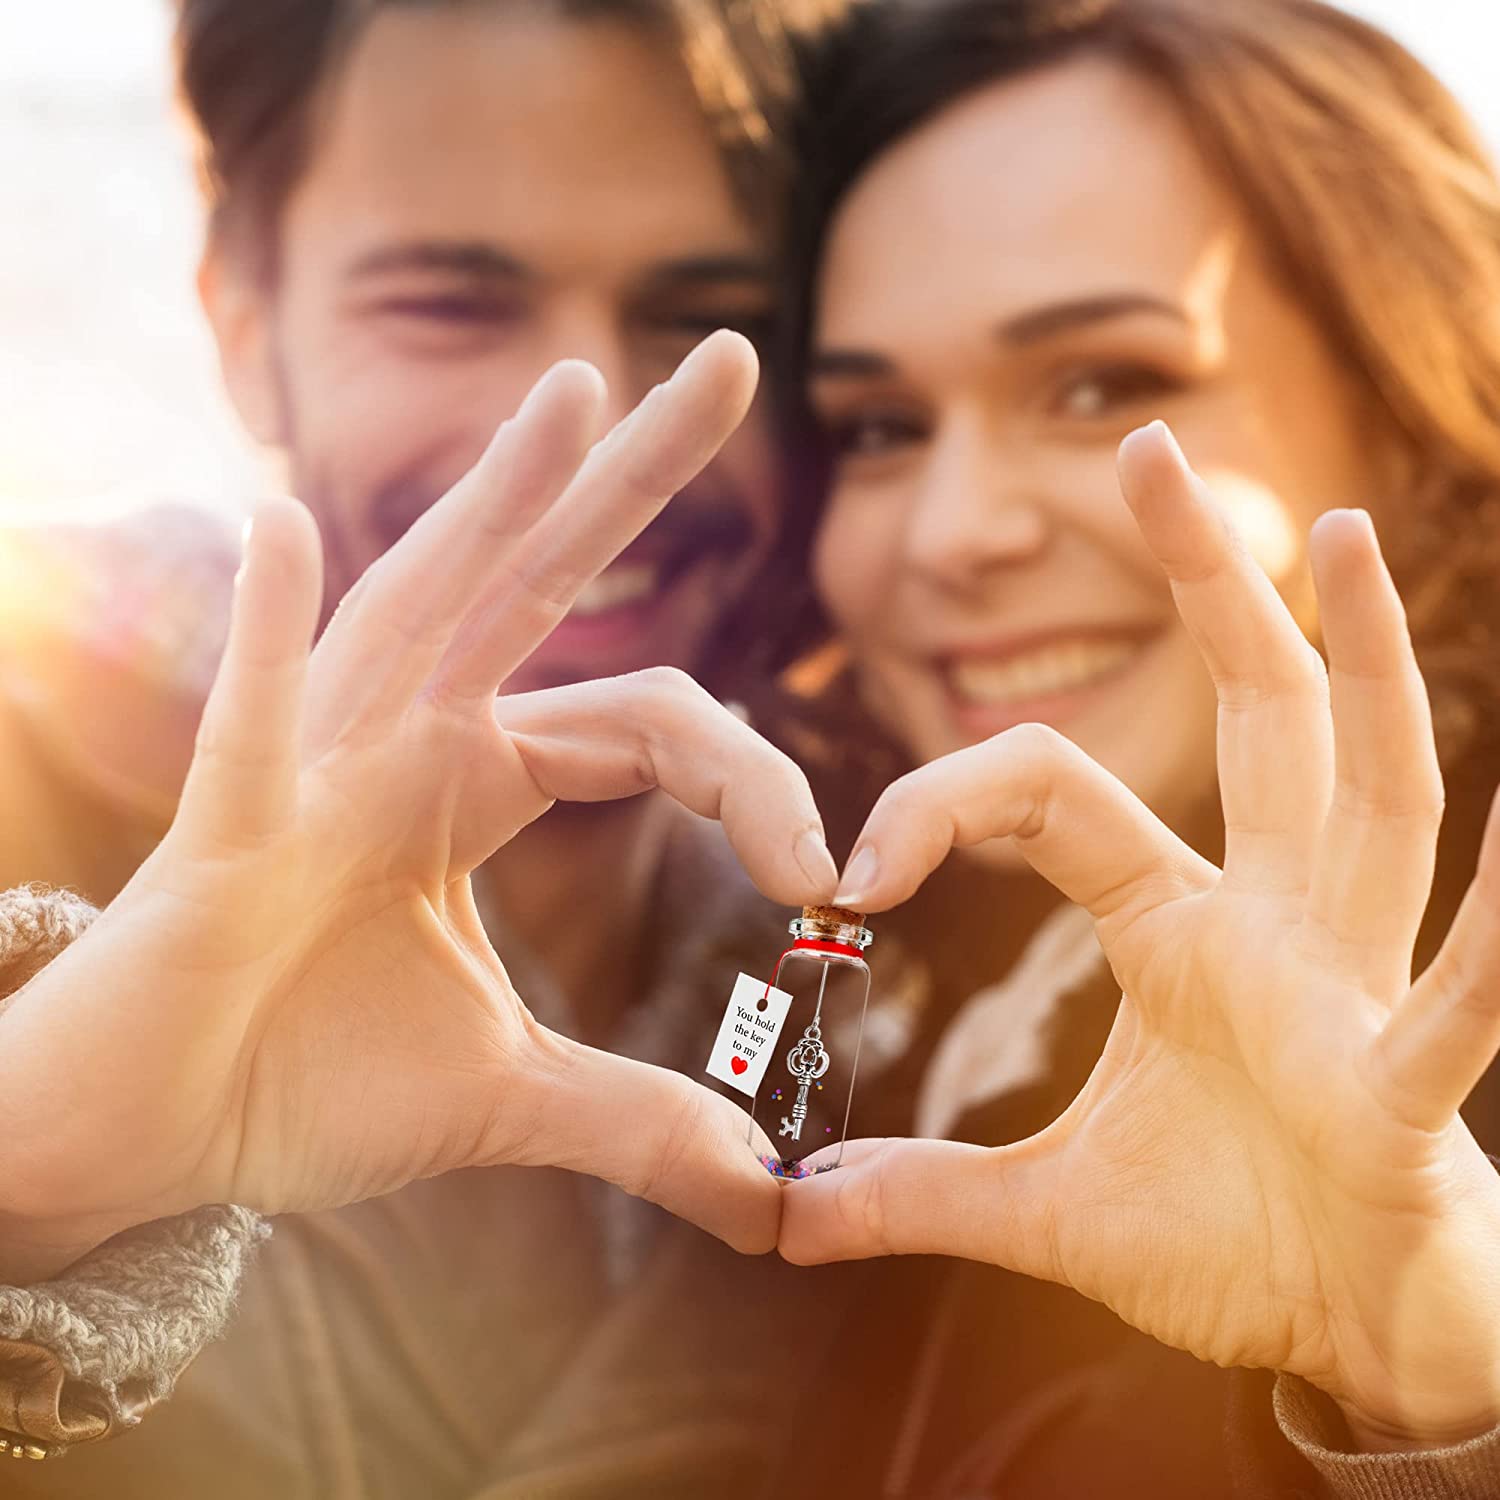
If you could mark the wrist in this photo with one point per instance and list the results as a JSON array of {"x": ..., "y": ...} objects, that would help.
[
  {"x": 1373, "y": 1434},
  {"x": 32, "y": 1251},
  {"x": 54, "y": 1206},
  {"x": 30, "y": 1265}
]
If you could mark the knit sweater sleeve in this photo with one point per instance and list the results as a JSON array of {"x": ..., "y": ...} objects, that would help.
[
  {"x": 87, "y": 1354},
  {"x": 1309, "y": 1421}
]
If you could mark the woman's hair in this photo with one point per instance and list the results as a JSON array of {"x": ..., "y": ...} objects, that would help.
[
  {"x": 1367, "y": 184},
  {"x": 251, "y": 74}
]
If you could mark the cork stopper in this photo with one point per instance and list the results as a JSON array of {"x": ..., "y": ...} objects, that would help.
[{"x": 833, "y": 916}]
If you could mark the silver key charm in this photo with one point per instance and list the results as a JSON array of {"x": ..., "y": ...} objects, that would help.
[{"x": 806, "y": 1062}]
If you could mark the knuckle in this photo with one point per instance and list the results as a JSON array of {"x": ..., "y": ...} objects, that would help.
[
  {"x": 218, "y": 745},
  {"x": 1376, "y": 802},
  {"x": 644, "y": 467},
  {"x": 1303, "y": 674},
  {"x": 1311, "y": 670},
  {"x": 902, "y": 799},
  {"x": 668, "y": 689},
  {"x": 1306, "y": 675},
  {"x": 529, "y": 584},
  {"x": 1463, "y": 988},
  {"x": 1035, "y": 743},
  {"x": 872, "y": 1212},
  {"x": 681, "y": 1126},
  {"x": 1239, "y": 694},
  {"x": 645, "y": 479},
  {"x": 1039, "y": 756},
  {"x": 671, "y": 710}
]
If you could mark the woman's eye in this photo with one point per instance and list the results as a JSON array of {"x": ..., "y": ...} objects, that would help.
[
  {"x": 872, "y": 435},
  {"x": 1100, "y": 391}
]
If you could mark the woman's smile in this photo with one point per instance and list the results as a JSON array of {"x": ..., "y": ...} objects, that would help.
[
  {"x": 978, "y": 560},
  {"x": 1046, "y": 677}
]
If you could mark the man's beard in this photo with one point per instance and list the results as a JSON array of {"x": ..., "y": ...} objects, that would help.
[{"x": 707, "y": 522}]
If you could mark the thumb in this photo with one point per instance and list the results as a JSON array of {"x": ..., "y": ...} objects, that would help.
[
  {"x": 918, "y": 1197},
  {"x": 656, "y": 1134}
]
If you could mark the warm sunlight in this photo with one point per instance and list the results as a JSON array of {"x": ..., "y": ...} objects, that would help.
[{"x": 107, "y": 379}]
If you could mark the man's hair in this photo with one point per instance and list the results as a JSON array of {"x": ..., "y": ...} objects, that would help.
[{"x": 251, "y": 74}]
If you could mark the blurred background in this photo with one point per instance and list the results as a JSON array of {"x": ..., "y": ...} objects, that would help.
[{"x": 108, "y": 385}]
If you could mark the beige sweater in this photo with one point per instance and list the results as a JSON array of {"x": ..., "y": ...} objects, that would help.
[{"x": 88, "y": 1354}]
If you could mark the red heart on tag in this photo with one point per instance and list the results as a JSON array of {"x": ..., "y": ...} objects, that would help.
[{"x": 738, "y": 1064}]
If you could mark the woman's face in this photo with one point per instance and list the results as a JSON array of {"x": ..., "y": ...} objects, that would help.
[{"x": 1007, "y": 292}]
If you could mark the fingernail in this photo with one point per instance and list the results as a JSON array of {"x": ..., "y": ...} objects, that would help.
[
  {"x": 695, "y": 356},
  {"x": 858, "y": 878},
  {"x": 563, "y": 370},
  {"x": 814, "y": 860},
  {"x": 247, "y": 530},
  {"x": 1170, "y": 439},
  {"x": 545, "y": 384}
]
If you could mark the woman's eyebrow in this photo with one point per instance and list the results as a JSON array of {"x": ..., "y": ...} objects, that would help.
[
  {"x": 1023, "y": 328},
  {"x": 1063, "y": 317}
]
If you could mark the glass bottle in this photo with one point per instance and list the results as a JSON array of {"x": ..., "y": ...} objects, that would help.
[{"x": 808, "y": 1089}]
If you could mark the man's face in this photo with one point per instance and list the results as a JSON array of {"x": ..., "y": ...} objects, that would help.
[{"x": 489, "y": 192}]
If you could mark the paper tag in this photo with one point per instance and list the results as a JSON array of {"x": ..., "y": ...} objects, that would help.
[{"x": 747, "y": 1034}]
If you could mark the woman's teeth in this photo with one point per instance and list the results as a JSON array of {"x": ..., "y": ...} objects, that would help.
[
  {"x": 1038, "y": 674},
  {"x": 623, "y": 583}
]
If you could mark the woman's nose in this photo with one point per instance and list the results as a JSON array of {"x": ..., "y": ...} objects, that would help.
[{"x": 973, "y": 513}]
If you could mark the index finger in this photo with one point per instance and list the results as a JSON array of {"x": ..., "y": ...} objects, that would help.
[
  {"x": 648, "y": 1130},
  {"x": 595, "y": 741},
  {"x": 920, "y": 1197},
  {"x": 1074, "y": 823}
]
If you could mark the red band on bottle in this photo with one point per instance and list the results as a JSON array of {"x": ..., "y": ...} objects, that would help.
[{"x": 847, "y": 949}]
